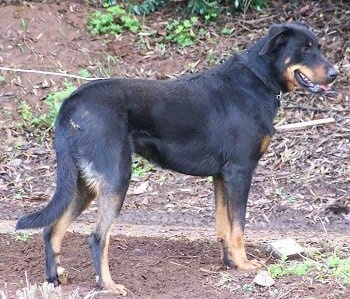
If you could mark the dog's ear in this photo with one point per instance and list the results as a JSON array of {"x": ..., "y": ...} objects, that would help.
[{"x": 276, "y": 36}]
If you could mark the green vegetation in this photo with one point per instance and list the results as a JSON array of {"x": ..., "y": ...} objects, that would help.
[
  {"x": 21, "y": 236},
  {"x": 140, "y": 167},
  {"x": 113, "y": 21},
  {"x": 2, "y": 79},
  {"x": 84, "y": 73},
  {"x": 182, "y": 33},
  {"x": 210, "y": 9},
  {"x": 117, "y": 18},
  {"x": 322, "y": 268},
  {"x": 227, "y": 31},
  {"x": 145, "y": 7},
  {"x": 53, "y": 102}
]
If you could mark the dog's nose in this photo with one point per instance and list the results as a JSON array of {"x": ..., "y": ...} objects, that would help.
[{"x": 332, "y": 73}]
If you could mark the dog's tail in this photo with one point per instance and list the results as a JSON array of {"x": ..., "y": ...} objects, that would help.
[{"x": 66, "y": 187}]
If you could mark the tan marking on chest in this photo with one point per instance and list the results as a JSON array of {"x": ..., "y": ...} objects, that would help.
[{"x": 264, "y": 144}]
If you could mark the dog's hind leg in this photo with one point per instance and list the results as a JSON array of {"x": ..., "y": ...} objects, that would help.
[
  {"x": 109, "y": 206},
  {"x": 113, "y": 171},
  {"x": 54, "y": 233}
]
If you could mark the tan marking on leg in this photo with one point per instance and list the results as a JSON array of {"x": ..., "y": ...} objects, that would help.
[
  {"x": 264, "y": 144},
  {"x": 108, "y": 207},
  {"x": 237, "y": 250},
  {"x": 60, "y": 227},
  {"x": 230, "y": 234},
  {"x": 58, "y": 231},
  {"x": 105, "y": 273},
  {"x": 222, "y": 222}
]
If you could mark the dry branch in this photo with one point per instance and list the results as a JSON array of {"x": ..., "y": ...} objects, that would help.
[{"x": 304, "y": 125}]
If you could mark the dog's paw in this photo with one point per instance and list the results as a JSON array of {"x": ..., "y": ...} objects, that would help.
[
  {"x": 117, "y": 289},
  {"x": 62, "y": 275},
  {"x": 248, "y": 265},
  {"x": 114, "y": 288}
]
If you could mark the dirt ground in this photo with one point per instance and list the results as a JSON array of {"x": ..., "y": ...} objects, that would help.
[{"x": 164, "y": 243}]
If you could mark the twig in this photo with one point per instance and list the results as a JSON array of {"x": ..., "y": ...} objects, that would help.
[
  {"x": 304, "y": 125},
  {"x": 48, "y": 73}
]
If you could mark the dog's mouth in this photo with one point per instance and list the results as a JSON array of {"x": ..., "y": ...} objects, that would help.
[{"x": 308, "y": 84}]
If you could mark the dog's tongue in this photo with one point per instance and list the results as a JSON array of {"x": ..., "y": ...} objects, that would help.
[{"x": 325, "y": 87}]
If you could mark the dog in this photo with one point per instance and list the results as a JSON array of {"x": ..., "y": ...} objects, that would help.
[{"x": 217, "y": 122}]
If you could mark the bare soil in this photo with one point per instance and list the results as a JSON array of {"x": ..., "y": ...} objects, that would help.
[{"x": 164, "y": 243}]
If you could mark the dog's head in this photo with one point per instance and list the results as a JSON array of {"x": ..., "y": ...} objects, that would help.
[{"x": 297, "y": 58}]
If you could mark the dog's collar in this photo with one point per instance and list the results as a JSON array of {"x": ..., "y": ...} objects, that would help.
[
  {"x": 260, "y": 74},
  {"x": 279, "y": 98}
]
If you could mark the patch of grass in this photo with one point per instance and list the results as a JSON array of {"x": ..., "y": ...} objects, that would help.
[
  {"x": 331, "y": 266},
  {"x": 182, "y": 33},
  {"x": 2, "y": 79},
  {"x": 113, "y": 21},
  {"x": 339, "y": 267},
  {"x": 21, "y": 236}
]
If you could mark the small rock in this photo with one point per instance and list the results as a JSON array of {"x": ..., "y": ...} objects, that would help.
[{"x": 264, "y": 279}]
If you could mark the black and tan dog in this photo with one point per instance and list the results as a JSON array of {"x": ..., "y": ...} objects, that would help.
[{"x": 215, "y": 123}]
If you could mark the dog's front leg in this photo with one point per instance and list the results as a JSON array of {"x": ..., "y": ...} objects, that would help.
[{"x": 231, "y": 194}]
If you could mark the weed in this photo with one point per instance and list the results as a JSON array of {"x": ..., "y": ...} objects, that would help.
[
  {"x": 140, "y": 167},
  {"x": 212, "y": 57},
  {"x": 113, "y": 21},
  {"x": 227, "y": 31},
  {"x": 210, "y": 9},
  {"x": 84, "y": 73},
  {"x": 146, "y": 6},
  {"x": 22, "y": 236},
  {"x": 53, "y": 101},
  {"x": 279, "y": 192},
  {"x": 339, "y": 267},
  {"x": 2, "y": 79},
  {"x": 26, "y": 112},
  {"x": 331, "y": 266},
  {"x": 182, "y": 33},
  {"x": 24, "y": 25}
]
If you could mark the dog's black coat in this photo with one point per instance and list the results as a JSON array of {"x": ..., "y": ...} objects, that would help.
[{"x": 215, "y": 123}]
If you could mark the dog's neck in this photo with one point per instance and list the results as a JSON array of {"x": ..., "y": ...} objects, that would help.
[{"x": 262, "y": 69}]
